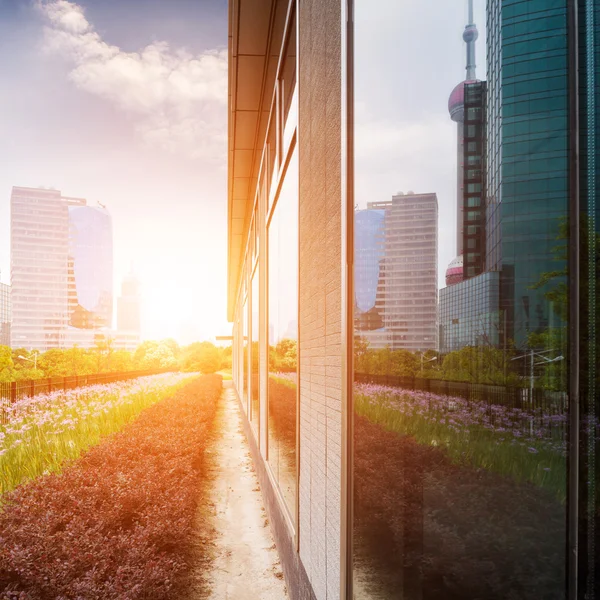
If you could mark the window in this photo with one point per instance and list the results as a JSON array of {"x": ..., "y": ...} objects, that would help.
[
  {"x": 283, "y": 335},
  {"x": 459, "y": 462},
  {"x": 255, "y": 356}
]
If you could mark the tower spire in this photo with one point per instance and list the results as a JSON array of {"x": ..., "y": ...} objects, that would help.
[{"x": 470, "y": 35}]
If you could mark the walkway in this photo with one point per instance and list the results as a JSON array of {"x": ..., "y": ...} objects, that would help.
[{"x": 245, "y": 563}]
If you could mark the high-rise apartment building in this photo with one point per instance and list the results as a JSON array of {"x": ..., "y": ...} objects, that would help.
[
  {"x": 396, "y": 272},
  {"x": 5, "y": 314},
  {"x": 61, "y": 269}
]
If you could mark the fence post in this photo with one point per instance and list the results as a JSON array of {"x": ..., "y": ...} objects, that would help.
[
  {"x": 32, "y": 387},
  {"x": 49, "y": 384},
  {"x": 13, "y": 391},
  {"x": 64, "y": 384}
]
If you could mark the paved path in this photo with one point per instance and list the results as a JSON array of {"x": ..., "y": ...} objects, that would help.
[{"x": 245, "y": 562}]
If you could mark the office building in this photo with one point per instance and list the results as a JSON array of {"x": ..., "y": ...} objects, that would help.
[
  {"x": 480, "y": 483},
  {"x": 396, "y": 272},
  {"x": 5, "y": 314},
  {"x": 129, "y": 305},
  {"x": 61, "y": 269}
]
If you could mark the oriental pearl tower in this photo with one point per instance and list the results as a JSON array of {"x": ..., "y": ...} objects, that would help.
[{"x": 454, "y": 273}]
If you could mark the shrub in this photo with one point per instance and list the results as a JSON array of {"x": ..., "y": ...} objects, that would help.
[{"x": 117, "y": 523}]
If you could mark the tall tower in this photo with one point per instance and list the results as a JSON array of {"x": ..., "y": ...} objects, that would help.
[{"x": 457, "y": 114}]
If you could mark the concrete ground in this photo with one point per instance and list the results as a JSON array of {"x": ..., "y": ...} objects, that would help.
[{"x": 244, "y": 561}]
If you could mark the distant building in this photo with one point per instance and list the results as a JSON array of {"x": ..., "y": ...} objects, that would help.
[
  {"x": 396, "y": 272},
  {"x": 129, "y": 305},
  {"x": 61, "y": 270},
  {"x": 5, "y": 314},
  {"x": 469, "y": 305},
  {"x": 469, "y": 313}
]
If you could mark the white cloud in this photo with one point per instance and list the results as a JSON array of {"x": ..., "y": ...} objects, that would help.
[{"x": 178, "y": 100}]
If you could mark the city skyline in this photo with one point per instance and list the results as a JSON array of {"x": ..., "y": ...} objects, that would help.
[
  {"x": 145, "y": 195},
  {"x": 154, "y": 176}
]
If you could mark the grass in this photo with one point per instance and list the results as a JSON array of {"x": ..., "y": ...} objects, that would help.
[
  {"x": 45, "y": 431},
  {"x": 506, "y": 444}
]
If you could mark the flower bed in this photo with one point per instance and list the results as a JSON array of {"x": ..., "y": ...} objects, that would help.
[
  {"x": 45, "y": 430},
  {"x": 118, "y": 522},
  {"x": 527, "y": 445}
]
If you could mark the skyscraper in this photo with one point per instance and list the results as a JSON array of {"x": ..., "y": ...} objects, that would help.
[
  {"x": 396, "y": 272},
  {"x": 528, "y": 167},
  {"x": 61, "y": 269},
  {"x": 129, "y": 305},
  {"x": 456, "y": 107}
]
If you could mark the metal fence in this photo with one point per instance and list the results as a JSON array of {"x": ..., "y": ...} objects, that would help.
[
  {"x": 548, "y": 402},
  {"x": 12, "y": 391}
]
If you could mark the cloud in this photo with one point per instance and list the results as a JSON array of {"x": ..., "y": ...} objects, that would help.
[{"x": 178, "y": 101}]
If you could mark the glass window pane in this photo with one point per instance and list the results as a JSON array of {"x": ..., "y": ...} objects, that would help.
[
  {"x": 255, "y": 357},
  {"x": 283, "y": 335},
  {"x": 461, "y": 409}
]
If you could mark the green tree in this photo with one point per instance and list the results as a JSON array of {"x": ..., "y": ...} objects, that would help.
[
  {"x": 7, "y": 369},
  {"x": 201, "y": 356}
]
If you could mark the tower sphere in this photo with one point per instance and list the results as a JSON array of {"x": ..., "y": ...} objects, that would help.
[
  {"x": 470, "y": 34},
  {"x": 456, "y": 102}
]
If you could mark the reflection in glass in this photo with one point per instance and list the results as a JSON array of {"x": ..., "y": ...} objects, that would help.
[
  {"x": 90, "y": 266},
  {"x": 461, "y": 413},
  {"x": 244, "y": 364},
  {"x": 283, "y": 334},
  {"x": 255, "y": 358}
]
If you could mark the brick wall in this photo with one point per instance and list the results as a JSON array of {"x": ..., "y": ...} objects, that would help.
[{"x": 320, "y": 321}]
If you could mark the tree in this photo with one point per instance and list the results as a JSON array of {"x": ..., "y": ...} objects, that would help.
[
  {"x": 201, "y": 356},
  {"x": 6, "y": 364}
]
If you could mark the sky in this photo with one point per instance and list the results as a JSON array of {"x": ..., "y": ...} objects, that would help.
[
  {"x": 409, "y": 56},
  {"x": 123, "y": 102}
]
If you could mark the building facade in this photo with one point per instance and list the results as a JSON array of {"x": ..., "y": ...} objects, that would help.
[
  {"x": 61, "y": 270},
  {"x": 396, "y": 246},
  {"x": 469, "y": 474},
  {"x": 469, "y": 313},
  {"x": 5, "y": 314}
]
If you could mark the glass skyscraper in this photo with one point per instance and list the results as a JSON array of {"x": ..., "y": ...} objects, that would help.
[{"x": 61, "y": 269}]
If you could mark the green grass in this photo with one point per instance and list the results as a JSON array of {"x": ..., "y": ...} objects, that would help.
[
  {"x": 46, "y": 437},
  {"x": 475, "y": 446}
]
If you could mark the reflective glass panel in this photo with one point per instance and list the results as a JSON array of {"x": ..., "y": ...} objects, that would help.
[
  {"x": 244, "y": 364},
  {"x": 283, "y": 334},
  {"x": 255, "y": 357},
  {"x": 461, "y": 411}
]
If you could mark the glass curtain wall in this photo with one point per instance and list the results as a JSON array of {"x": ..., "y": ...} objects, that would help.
[
  {"x": 589, "y": 242},
  {"x": 461, "y": 315}
]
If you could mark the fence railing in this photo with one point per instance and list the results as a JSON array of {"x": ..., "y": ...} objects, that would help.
[
  {"x": 514, "y": 397},
  {"x": 13, "y": 390}
]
